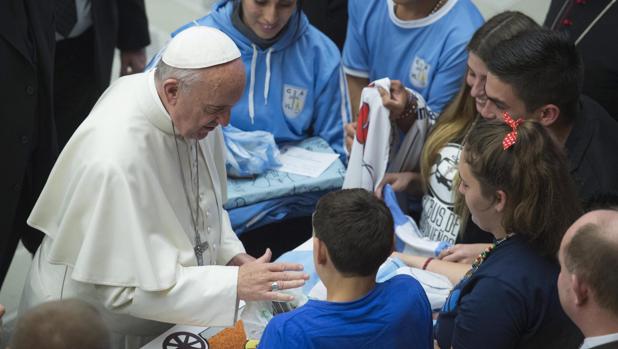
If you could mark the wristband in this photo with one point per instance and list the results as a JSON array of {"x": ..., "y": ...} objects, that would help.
[
  {"x": 427, "y": 263},
  {"x": 411, "y": 107}
]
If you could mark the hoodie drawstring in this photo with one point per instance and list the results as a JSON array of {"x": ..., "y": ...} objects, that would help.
[
  {"x": 252, "y": 80},
  {"x": 267, "y": 80},
  {"x": 252, "y": 83}
]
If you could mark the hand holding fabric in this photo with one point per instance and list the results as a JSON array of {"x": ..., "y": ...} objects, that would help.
[
  {"x": 255, "y": 279},
  {"x": 400, "y": 181},
  {"x": 396, "y": 100}
]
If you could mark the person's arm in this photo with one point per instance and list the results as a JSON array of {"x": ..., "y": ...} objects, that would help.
[
  {"x": 410, "y": 182},
  {"x": 230, "y": 246},
  {"x": 240, "y": 259},
  {"x": 453, "y": 271},
  {"x": 463, "y": 253},
  {"x": 405, "y": 106},
  {"x": 355, "y": 87},
  {"x": 206, "y": 295},
  {"x": 201, "y": 296},
  {"x": 255, "y": 279},
  {"x": 132, "y": 61},
  {"x": 133, "y": 36},
  {"x": 356, "y": 63}
]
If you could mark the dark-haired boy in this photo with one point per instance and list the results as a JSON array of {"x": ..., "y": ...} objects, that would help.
[
  {"x": 538, "y": 75},
  {"x": 353, "y": 236}
]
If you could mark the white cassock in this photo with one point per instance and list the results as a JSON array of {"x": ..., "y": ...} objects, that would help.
[{"x": 119, "y": 230}]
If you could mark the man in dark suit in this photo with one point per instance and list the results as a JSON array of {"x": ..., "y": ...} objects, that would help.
[
  {"x": 27, "y": 136},
  {"x": 87, "y": 33},
  {"x": 592, "y": 26},
  {"x": 588, "y": 283}
]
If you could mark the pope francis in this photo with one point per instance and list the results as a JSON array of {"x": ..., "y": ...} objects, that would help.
[{"x": 132, "y": 211}]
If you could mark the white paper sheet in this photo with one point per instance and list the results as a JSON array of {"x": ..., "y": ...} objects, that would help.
[{"x": 304, "y": 162}]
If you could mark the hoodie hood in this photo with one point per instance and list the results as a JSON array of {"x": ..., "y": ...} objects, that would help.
[{"x": 223, "y": 10}]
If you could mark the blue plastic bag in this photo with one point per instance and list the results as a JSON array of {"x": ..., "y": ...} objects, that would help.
[{"x": 249, "y": 153}]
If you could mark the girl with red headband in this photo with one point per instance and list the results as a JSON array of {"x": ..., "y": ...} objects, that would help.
[{"x": 516, "y": 185}]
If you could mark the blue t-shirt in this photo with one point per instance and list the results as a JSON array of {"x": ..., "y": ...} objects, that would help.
[
  {"x": 395, "y": 314},
  {"x": 428, "y": 55},
  {"x": 511, "y": 301}
]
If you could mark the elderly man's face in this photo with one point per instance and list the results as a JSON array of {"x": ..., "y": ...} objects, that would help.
[{"x": 207, "y": 103}]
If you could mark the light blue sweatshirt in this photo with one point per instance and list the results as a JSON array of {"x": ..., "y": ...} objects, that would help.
[{"x": 295, "y": 88}]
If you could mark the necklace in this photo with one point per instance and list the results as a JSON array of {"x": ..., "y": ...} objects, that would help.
[
  {"x": 438, "y": 6},
  {"x": 200, "y": 247},
  {"x": 435, "y": 8},
  {"x": 483, "y": 256}
]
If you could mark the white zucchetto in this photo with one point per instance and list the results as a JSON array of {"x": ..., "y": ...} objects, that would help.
[{"x": 200, "y": 47}]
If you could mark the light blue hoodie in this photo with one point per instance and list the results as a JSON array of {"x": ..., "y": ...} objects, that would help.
[{"x": 295, "y": 88}]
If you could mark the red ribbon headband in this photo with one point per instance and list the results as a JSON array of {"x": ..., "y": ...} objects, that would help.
[{"x": 511, "y": 137}]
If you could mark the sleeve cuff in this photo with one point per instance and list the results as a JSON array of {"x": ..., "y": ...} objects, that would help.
[{"x": 356, "y": 73}]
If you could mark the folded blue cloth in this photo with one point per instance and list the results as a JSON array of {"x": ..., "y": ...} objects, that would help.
[
  {"x": 258, "y": 214},
  {"x": 249, "y": 153}
]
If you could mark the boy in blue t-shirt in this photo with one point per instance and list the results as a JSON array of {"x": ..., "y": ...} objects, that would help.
[{"x": 353, "y": 236}]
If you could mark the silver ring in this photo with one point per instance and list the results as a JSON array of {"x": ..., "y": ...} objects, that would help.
[{"x": 274, "y": 287}]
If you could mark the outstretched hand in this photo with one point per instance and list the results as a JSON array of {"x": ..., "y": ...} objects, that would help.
[{"x": 255, "y": 279}]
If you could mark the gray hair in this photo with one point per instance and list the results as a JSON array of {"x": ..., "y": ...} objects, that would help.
[{"x": 185, "y": 77}]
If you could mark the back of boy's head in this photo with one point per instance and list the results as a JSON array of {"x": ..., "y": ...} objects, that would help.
[
  {"x": 65, "y": 324},
  {"x": 357, "y": 229}
]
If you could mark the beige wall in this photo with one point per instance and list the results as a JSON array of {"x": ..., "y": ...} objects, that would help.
[{"x": 537, "y": 9}]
